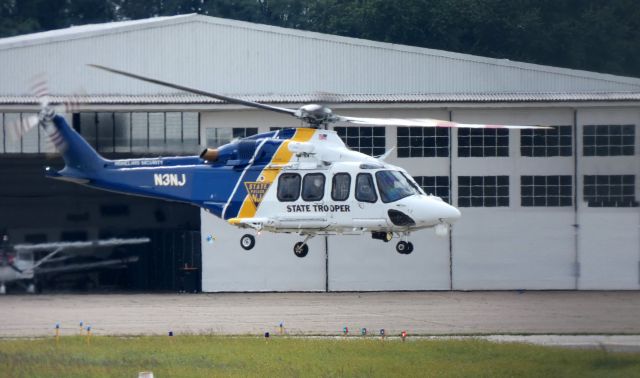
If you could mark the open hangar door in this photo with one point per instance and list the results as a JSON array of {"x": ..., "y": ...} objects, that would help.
[{"x": 34, "y": 209}]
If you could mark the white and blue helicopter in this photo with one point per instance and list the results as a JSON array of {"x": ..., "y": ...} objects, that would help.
[{"x": 296, "y": 180}]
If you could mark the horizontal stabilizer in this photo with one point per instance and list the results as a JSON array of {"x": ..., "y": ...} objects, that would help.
[{"x": 50, "y": 173}]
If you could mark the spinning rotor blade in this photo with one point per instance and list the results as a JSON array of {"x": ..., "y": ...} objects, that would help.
[
  {"x": 427, "y": 122},
  {"x": 21, "y": 126},
  {"x": 45, "y": 116},
  {"x": 39, "y": 88},
  {"x": 231, "y": 100},
  {"x": 317, "y": 115}
]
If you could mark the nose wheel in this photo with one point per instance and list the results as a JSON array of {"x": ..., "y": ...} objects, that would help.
[
  {"x": 404, "y": 248},
  {"x": 247, "y": 242}
]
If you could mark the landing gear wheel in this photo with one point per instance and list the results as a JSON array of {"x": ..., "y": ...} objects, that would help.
[
  {"x": 402, "y": 247},
  {"x": 247, "y": 242},
  {"x": 300, "y": 249},
  {"x": 409, "y": 248}
]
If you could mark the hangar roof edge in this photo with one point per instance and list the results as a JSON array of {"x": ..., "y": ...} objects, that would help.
[
  {"x": 86, "y": 31},
  {"x": 180, "y": 98}
]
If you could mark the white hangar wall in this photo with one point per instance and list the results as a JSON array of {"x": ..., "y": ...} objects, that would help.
[
  {"x": 609, "y": 238},
  {"x": 512, "y": 247},
  {"x": 491, "y": 248}
]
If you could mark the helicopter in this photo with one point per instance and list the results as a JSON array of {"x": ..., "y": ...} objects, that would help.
[{"x": 295, "y": 180}]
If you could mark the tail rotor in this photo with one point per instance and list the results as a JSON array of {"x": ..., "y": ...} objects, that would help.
[{"x": 45, "y": 116}]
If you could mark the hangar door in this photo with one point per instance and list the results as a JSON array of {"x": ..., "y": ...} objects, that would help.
[{"x": 335, "y": 263}]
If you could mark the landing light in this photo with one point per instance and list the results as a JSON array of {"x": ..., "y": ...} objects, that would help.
[{"x": 442, "y": 229}]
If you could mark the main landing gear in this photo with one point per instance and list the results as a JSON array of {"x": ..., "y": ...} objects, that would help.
[
  {"x": 247, "y": 242},
  {"x": 404, "y": 247},
  {"x": 301, "y": 249}
]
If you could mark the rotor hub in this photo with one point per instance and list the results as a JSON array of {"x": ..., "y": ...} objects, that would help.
[
  {"x": 315, "y": 114},
  {"x": 46, "y": 114}
]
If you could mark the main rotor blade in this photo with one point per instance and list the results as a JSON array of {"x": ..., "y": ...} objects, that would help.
[
  {"x": 231, "y": 100},
  {"x": 428, "y": 122}
]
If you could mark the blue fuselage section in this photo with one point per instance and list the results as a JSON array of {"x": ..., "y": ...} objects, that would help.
[{"x": 214, "y": 185}]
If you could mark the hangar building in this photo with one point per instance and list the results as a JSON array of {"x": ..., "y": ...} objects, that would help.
[{"x": 541, "y": 210}]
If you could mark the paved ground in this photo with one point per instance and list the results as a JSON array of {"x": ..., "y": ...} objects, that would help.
[{"x": 424, "y": 313}]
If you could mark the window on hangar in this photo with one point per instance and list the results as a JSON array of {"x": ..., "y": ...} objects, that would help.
[
  {"x": 610, "y": 190},
  {"x": 423, "y": 142},
  {"x": 483, "y": 142},
  {"x": 546, "y": 142},
  {"x": 546, "y": 191},
  {"x": 483, "y": 191},
  {"x": 608, "y": 140}
]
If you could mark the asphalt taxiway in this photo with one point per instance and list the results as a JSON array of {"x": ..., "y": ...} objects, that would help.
[{"x": 419, "y": 313}]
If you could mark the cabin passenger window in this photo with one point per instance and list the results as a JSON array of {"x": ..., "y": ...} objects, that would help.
[
  {"x": 313, "y": 187},
  {"x": 288, "y": 187},
  {"x": 340, "y": 187},
  {"x": 365, "y": 191}
]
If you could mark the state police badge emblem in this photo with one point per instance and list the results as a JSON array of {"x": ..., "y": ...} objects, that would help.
[{"x": 256, "y": 191}]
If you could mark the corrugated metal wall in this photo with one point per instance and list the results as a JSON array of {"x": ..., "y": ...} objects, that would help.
[{"x": 241, "y": 58}]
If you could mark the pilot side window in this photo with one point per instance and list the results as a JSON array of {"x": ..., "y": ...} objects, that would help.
[
  {"x": 288, "y": 187},
  {"x": 313, "y": 187},
  {"x": 393, "y": 186},
  {"x": 340, "y": 187},
  {"x": 365, "y": 191}
]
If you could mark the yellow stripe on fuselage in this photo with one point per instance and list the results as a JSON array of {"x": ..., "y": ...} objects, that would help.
[{"x": 282, "y": 156}]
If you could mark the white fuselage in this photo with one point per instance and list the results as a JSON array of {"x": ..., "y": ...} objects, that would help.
[
  {"x": 326, "y": 188},
  {"x": 347, "y": 212}
]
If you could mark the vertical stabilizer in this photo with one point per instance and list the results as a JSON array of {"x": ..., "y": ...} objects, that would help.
[{"x": 78, "y": 155}]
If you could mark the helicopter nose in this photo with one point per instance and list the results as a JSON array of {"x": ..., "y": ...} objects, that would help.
[
  {"x": 444, "y": 212},
  {"x": 431, "y": 210},
  {"x": 450, "y": 213}
]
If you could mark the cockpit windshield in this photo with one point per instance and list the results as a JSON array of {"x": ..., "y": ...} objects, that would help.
[{"x": 393, "y": 186}]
